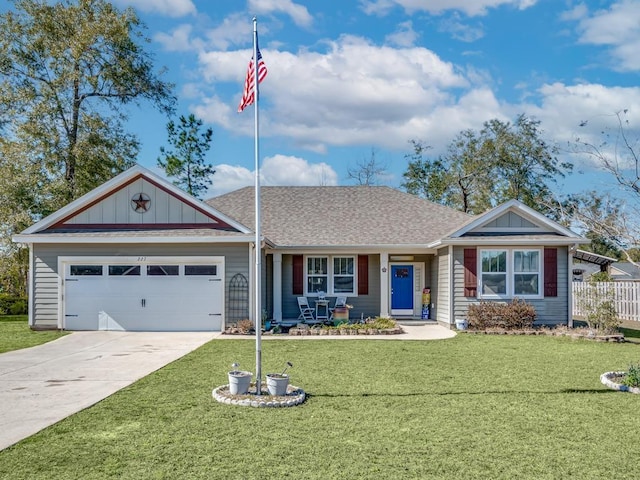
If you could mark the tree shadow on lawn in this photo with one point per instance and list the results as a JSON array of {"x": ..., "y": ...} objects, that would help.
[{"x": 442, "y": 394}]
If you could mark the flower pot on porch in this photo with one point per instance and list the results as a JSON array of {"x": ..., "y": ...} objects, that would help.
[
  {"x": 277, "y": 383},
  {"x": 340, "y": 315},
  {"x": 239, "y": 382}
]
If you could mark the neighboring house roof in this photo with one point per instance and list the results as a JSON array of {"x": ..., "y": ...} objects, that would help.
[
  {"x": 583, "y": 271},
  {"x": 626, "y": 271},
  {"x": 591, "y": 257},
  {"x": 342, "y": 216}
]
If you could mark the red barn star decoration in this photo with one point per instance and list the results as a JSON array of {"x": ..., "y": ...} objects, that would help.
[{"x": 140, "y": 203}]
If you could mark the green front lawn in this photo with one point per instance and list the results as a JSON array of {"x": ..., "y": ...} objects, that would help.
[
  {"x": 469, "y": 407},
  {"x": 16, "y": 334}
]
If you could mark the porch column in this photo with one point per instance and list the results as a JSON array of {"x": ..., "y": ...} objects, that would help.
[
  {"x": 252, "y": 281},
  {"x": 277, "y": 286},
  {"x": 570, "y": 251},
  {"x": 384, "y": 284}
]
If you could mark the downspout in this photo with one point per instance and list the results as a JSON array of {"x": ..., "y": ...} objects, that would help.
[
  {"x": 31, "y": 302},
  {"x": 452, "y": 289}
]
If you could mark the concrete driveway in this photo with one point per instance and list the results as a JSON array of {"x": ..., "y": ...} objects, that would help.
[{"x": 40, "y": 386}]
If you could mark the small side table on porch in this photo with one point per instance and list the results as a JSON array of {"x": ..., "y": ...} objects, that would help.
[{"x": 322, "y": 310}]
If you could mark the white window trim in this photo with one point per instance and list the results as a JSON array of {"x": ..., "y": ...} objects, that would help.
[
  {"x": 510, "y": 273},
  {"x": 331, "y": 275}
]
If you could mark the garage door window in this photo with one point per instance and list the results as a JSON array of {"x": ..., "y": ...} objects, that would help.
[
  {"x": 124, "y": 270},
  {"x": 210, "y": 270},
  {"x": 85, "y": 270},
  {"x": 162, "y": 270}
]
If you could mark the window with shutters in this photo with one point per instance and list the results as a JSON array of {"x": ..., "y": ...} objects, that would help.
[
  {"x": 331, "y": 275},
  {"x": 508, "y": 273}
]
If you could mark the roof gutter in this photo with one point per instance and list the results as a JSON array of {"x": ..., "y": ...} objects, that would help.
[
  {"x": 27, "y": 238},
  {"x": 506, "y": 241}
]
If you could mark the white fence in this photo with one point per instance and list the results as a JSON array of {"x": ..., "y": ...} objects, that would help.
[{"x": 625, "y": 295}]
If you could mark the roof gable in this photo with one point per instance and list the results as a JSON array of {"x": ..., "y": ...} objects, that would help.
[
  {"x": 138, "y": 199},
  {"x": 513, "y": 221}
]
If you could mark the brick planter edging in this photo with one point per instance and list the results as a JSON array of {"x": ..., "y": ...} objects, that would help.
[
  {"x": 344, "y": 331},
  {"x": 295, "y": 396},
  {"x": 605, "y": 379}
]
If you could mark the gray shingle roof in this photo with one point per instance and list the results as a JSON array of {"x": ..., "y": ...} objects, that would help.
[{"x": 341, "y": 216}]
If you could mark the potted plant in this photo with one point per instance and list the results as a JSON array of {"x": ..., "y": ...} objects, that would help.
[
  {"x": 266, "y": 323},
  {"x": 239, "y": 380},
  {"x": 461, "y": 323},
  {"x": 277, "y": 383}
]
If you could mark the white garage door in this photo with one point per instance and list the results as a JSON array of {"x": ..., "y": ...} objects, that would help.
[{"x": 144, "y": 294}]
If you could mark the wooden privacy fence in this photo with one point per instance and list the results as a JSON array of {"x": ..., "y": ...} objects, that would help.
[{"x": 625, "y": 295}]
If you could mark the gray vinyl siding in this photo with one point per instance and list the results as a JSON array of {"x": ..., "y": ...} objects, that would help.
[
  {"x": 45, "y": 286},
  {"x": 442, "y": 299},
  {"x": 549, "y": 310},
  {"x": 363, "y": 305}
]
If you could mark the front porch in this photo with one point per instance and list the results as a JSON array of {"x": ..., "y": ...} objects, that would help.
[{"x": 378, "y": 284}]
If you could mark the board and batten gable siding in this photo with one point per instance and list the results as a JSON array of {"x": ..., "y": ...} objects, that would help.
[
  {"x": 367, "y": 305},
  {"x": 511, "y": 221},
  {"x": 549, "y": 310},
  {"x": 442, "y": 299},
  {"x": 163, "y": 209},
  {"x": 45, "y": 258}
]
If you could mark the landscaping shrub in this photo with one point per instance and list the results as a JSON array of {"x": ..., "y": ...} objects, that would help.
[
  {"x": 632, "y": 378},
  {"x": 598, "y": 304},
  {"x": 12, "y": 305},
  {"x": 512, "y": 316}
]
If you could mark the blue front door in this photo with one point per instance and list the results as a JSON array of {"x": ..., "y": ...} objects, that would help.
[{"x": 401, "y": 289}]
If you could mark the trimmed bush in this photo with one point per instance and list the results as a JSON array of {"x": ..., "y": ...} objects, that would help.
[{"x": 511, "y": 316}]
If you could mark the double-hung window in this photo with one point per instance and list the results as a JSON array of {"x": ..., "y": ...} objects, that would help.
[
  {"x": 331, "y": 275},
  {"x": 507, "y": 273},
  {"x": 526, "y": 272},
  {"x": 317, "y": 274},
  {"x": 493, "y": 272}
]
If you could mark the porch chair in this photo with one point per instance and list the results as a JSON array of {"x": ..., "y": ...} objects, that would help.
[
  {"x": 306, "y": 312},
  {"x": 340, "y": 302}
]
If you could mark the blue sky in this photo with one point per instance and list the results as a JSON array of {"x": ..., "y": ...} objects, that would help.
[{"x": 349, "y": 76}]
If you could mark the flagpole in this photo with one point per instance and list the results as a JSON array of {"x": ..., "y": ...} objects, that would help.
[{"x": 258, "y": 246}]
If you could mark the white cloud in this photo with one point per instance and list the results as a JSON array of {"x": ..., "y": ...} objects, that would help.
[
  {"x": 404, "y": 36},
  {"x": 335, "y": 98},
  {"x": 584, "y": 111},
  {"x": 617, "y": 27},
  {"x": 235, "y": 29},
  {"x": 229, "y": 178},
  {"x": 298, "y": 13},
  {"x": 178, "y": 40},
  {"x": 576, "y": 13},
  {"x": 288, "y": 170},
  {"x": 170, "y": 8},
  {"x": 461, "y": 30},
  {"x": 468, "y": 7},
  {"x": 276, "y": 170}
]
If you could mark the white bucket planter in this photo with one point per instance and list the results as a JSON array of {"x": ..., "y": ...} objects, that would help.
[
  {"x": 239, "y": 382},
  {"x": 277, "y": 383},
  {"x": 461, "y": 323}
]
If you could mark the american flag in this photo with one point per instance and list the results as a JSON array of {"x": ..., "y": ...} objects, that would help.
[{"x": 248, "y": 95}]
